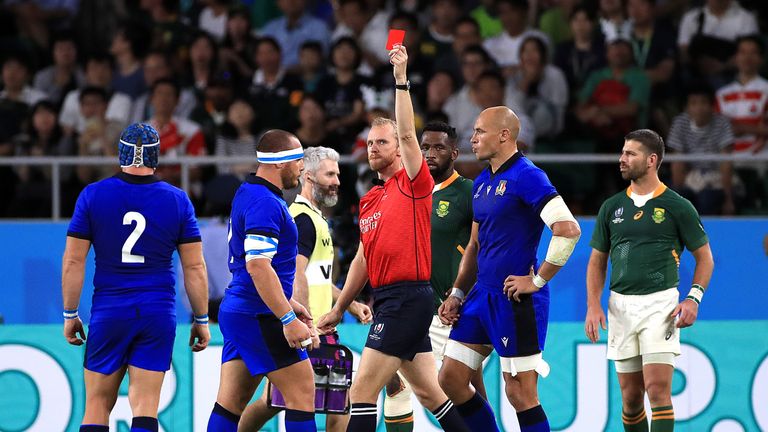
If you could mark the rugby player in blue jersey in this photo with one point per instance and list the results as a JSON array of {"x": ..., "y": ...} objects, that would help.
[
  {"x": 135, "y": 223},
  {"x": 507, "y": 308},
  {"x": 265, "y": 331}
]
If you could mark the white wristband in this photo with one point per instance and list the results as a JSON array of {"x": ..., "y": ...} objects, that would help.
[
  {"x": 539, "y": 281},
  {"x": 456, "y": 292},
  {"x": 696, "y": 293}
]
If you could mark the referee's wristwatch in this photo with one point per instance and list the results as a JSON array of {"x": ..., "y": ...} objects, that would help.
[{"x": 406, "y": 86}]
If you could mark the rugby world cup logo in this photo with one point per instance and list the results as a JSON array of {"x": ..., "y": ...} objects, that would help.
[
  {"x": 617, "y": 215},
  {"x": 378, "y": 328}
]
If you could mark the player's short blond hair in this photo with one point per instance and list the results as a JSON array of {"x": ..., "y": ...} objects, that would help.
[{"x": 383, "y": 121}]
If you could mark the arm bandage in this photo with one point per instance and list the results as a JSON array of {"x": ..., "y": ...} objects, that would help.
[{"x": 560, "y": 248}]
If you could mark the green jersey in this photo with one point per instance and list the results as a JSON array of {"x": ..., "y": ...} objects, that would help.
[
  {"x": 645, "y": 242},
  {"x": 451, "y": 225}
]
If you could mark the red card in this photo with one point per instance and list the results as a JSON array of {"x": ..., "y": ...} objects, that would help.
[{"x": 395, "y": 37}]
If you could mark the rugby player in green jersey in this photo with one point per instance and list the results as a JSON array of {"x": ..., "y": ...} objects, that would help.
[{"x": 643, "y": 231}]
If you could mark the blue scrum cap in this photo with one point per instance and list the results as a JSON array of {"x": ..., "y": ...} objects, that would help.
[{"x": 139, "y": 146}]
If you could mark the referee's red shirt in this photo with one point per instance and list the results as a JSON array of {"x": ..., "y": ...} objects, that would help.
[{"x": 395, "y": 228}]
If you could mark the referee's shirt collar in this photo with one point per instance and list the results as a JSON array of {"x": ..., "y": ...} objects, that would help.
[
  {"x": 254, "y": 179},
  {"x": 506, "y": 165}
]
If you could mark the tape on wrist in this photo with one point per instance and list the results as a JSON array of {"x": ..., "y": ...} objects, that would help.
[
  {"x": 201, "y": 319},
  {"x": 696, "y": 293},
  {"x": 288, "y": 317},
  {"x": 70, "y": 314},
  {"x": 539, "y": 281},
  {"x": 458, "y": 293}
]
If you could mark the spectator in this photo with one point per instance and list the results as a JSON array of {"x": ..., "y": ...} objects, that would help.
[
  {"x": 99, "y": 135},
  {"x": 237, "y": 139},
  {"x": 653, "y": 44},
  {"x": 15, "y": 74},
  {"x": 463, "y": 107},
  {"x": 213, "y": 18},
  {"x": 274, "y": 93},
  {"x": 312, "y": 130},
  {"x": 178, "y": 136},
  {"x": 42, "y": 137},
  {"x": 311, "y": 65},
  {"x": 439, "y": 89},
  {"x": 373, "y": 39},
  {"x": 340, "y": 93},
  {"x": 745, "y": 101},
  {"x": 438, "y": 39},
  {"x": 63, "y": 75},
  {"x": 505, "y": 48},
  {"x": 294, "y": 28},
  {"x": 203, "y": 63},
  {"x": 156, "y": 66},
  {"x": 613, "y": 20},
  {"x": 129, "y": 46},
  {"x": 614, "y": 100},
  {"x": 352, "y": 18},
  {"x": 554, "y": 22},
  {"x": 169, "y": 33},
  {"x": 486, "y": 17},
  {"x": 708, "y": 34},
  {"x": 211, "y": 113},
  {"x": 98, "y": 73},
  {"x": 466, "y": 33},
  {"x": 236, "y": 53},
  {"x": 419, "y": 66},
  {"x": 35, "y": 19},
  {"x": 708, "y": 185},
  {"x": 542, "y": 87},
  {"x": 579, "y": 57}
]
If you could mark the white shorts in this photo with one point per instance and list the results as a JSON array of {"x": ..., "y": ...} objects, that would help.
[
  {"x": 641, "y": 324},
  {"x": 438, "y": 336}
]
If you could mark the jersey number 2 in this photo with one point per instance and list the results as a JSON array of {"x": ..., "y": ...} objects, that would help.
[{"x": 130, "y": 242}]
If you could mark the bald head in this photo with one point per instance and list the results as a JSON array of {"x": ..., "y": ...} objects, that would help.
[
  {"x": 277, "y": 140},
  {"x": 503, "y": 118}
]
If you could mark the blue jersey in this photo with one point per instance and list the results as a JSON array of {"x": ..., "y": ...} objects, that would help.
[
  {"x": 507, "y": 206},
  {"x": 260, "y": 227},
  {"x": 135, "y": 223}
]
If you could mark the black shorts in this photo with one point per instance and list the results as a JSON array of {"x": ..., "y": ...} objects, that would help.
[{"x": 402, "y": 315}]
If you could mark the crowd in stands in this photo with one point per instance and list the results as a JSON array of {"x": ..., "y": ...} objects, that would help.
[{"x": 212, "y": 75}]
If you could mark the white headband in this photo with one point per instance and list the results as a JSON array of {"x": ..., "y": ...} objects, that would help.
[{"x": 281, "y": 156}]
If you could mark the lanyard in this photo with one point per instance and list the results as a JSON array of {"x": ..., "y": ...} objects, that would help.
[{"x": 641, "y": 50}]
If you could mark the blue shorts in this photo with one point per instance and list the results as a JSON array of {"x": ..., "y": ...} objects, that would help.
[
  {"x": 144, "y": 342},
  {"x": 402, "y": 314},
  {"x": 514, "y": 329},
  {"x": 258, "y": 340}
]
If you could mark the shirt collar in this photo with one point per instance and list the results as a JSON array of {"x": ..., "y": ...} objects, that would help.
[
  {"x": 658, "y": 191},
  {"x": 254, "y": 179},
  {"x": 506, "y": 165},
  {"x": 446, "y": 183},
  {"x": 302, "y": 200},
  {"x": 137, "y": 179}
]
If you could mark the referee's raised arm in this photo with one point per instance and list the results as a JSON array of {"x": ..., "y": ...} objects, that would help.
[{"x": 406, "y": 128}]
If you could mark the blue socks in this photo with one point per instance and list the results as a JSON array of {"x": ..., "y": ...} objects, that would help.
[
  {"x": 144, "y": 424},
  {"x": 362, "y": 418},
  {"x": 222, "y": 420},
  {"x": 94, "y": 428},
  {"x": 299, "y": 421},
  {"x": 533, "y": 420},
  {"x": 477, "y": 415}
]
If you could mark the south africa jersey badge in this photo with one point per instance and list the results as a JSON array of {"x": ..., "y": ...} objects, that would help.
[
  {"x": 501, "y": 188},
  {"x": 658, "y": 215},
  {"x": 442, "y": 208}
]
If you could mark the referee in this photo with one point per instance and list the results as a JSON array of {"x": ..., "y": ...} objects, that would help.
[{"x": 394, "y": 254}]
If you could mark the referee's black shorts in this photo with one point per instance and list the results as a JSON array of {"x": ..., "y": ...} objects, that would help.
[{"x": 402, "y": 315}]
